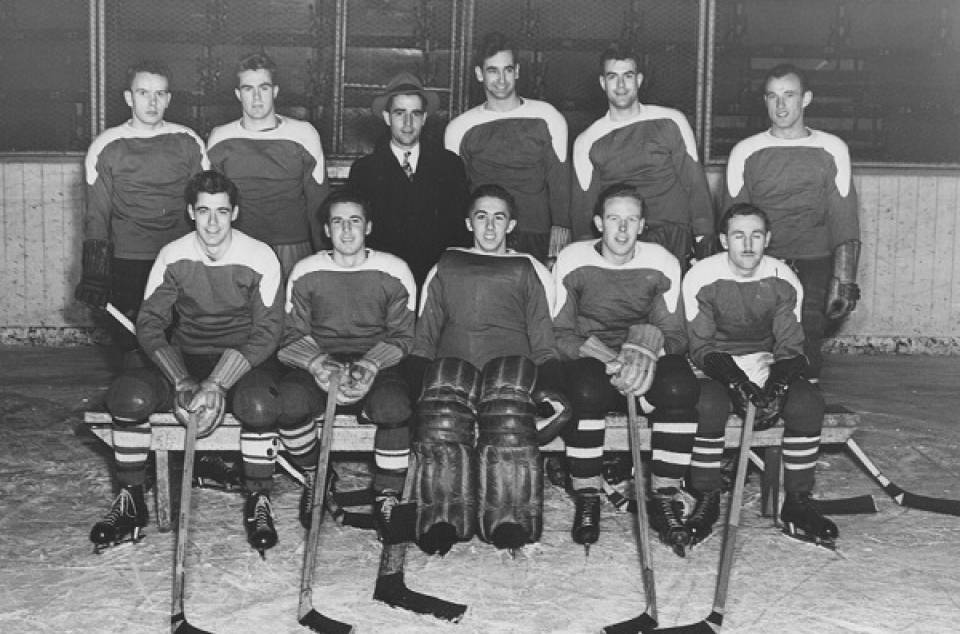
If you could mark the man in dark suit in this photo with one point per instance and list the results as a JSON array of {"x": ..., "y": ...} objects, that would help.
[{"x": 418, "y": 193}]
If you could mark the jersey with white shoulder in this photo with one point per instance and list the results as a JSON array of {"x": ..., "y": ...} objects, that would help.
[
  {"x": 135, "y": 181},
  {"x": 525, "y": 151},
  {"x": 656, "y": 152},
  {"x": 232, "y": 302},
  {"x": 480, "y": 306},
  {"x": 596, "y": 297},
  {"x": 351, "y": 309},
  {"x": 743, "y": 317},
  {"x": 804, "y": 185},
  {"x": 280, "y": 173}
]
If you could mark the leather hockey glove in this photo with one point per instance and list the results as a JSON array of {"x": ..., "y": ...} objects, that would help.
[
  {"x": 554, "y": 408},
  {"x": 638, "y": 358},
  {"x": 721, "y": 367},
  {"x": 209, "y": 404},
  {"x": 843, "y": 292},
  {"x": 782, "y": 374},
  {"x": 362, "y": 372},
  {"x": 94, "y": 286}
]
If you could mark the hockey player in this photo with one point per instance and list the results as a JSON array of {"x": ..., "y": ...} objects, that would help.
[
  {"x": 743, "y": 323},
  {"x": 224, "y": 288},
  {"x": 606, "y": 288},
  {"x": 520, "y": 144},
  {"x": 649, "y": 147},
  {"x": 277, "y": 163},
  {"x": 485, "y": 330},
  {"x": 354, "y": 308},
  {"x": 135, "y": 176},
  {"x": 803, "y": 179}
]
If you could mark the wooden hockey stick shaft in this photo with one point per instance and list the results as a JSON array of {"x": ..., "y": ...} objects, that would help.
[{"x": 306, "y": 614}]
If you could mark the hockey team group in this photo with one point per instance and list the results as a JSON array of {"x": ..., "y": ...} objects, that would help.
[{"x": 471, "y": 302}]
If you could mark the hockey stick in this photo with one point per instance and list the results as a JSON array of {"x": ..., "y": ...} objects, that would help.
[
  {"x": 178, "y": 620},
  {"x": 306, "y": 614},
  {"x": 714, "y": 622},
  {"x": 391, "y": 588},
  {"x": 901, "y": 497},
  {"x": 120, "y": 317},
  {"x": 647, "y": 621},
  {"x": 856, "y": 505}
]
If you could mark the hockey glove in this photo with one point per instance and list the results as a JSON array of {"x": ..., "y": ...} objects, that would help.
[
  {"x": 363, "y": 371},
  {"x": 554, "y": 409},
  {"x": 782, "y": 374},
  {"x": 638, "y": 360},
  {"x": 94, "y": 286},
  {"x": 721, "y": 367},
  {"x": 209, "y": 404},
  {"x": 843, "y": 292}
]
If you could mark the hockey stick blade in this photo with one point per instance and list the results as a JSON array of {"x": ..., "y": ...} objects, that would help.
[
  {"x": 179, "y": 625},
  {"x": 647, "y": 621},
  {"x": 861, "y": 504},
  {"x": 901, "y": 497},
  {"x": 714, "y": 622},
  {"x": 306, "y": 614}
]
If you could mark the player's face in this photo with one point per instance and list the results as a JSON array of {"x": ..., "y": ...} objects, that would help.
[
  {"x": 621, "y": 82},
  {"x": 148, "y": 98},
  {"x": 490, "y": 222},
  {"x": 347, "y": 228},
  {"x": 786, "y": 101},
  {"x": 620, "y": 225},
  {"x": 745, "y": 241},
  {"x": 406, "y": 118},
  {"x": 214, "y": 217},
  {"x": 499, "y": 76},
  {"x": 256, "y": 92}
]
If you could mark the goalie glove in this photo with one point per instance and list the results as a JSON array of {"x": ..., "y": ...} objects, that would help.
[
  {"x": 94, "y": 286},
  {"x": 843, "y": 292},
  {"x": 721, "y": 367}
]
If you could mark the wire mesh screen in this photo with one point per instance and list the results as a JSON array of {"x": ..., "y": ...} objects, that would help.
[
  {"x": 44, "y": 75},
  {"x": 560, "y": 43},
  {"x": 202, "y": 42},
  {"x": 885, "y": 74}
]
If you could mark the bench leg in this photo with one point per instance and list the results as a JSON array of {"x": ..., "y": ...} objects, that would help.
[
  {"x": 162, "y": 490},
  {"x": 770, "y": 484}
]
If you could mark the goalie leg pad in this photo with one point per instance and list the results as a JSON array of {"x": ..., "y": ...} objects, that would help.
[
  {"x": 510, "y": 494},
  {"x": 137, "y": 393},
  {"x": 444, "y": 483}
]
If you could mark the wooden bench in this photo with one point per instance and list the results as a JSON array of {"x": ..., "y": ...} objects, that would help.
[{"x": 350, "y": 436}]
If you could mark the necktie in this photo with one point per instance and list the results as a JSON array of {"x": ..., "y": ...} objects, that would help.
[{"x": 407, "y": 168}]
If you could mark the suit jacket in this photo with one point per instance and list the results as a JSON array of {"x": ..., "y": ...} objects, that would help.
[{"x": 415, "y": 220}]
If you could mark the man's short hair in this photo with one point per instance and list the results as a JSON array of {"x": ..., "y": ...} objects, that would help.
[
  {"x": 210, "y": 182},
  {"x": 343, "y": 196},
  {"x": 619, "y": 51},
  {"x": 743, "y": 209},
  {"x": 617, "y": 190},
  {"x": 492, "y": 190},
  {"x": 152, "y": 66},
  {"x": 782, "y": 70},
  {"x": 493, "y": 43},
  {"x": 258, "y": 61}
]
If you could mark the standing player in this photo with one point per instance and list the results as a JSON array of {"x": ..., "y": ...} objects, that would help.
[
  {"x": 277, "y": 163},
  {"x": 743, "y": 322},
  {"x": 224, "y": 288},
  {"x": 417, "y": 192},
  {"x": 485, "y": 325},
  {"x": 520, "y": 144},
  {"x": 135, "y": 176},
  {"x": 353, "y": 308},
  {"x": 606, "y": 288},
  {"x": 803, "y": 180},
  {"x": 651, "y": 148}
]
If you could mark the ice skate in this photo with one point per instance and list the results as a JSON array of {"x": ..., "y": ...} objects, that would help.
[
  {"x": 258, "y": 521},
  {"x": 124, "y": 521},
  {"x": 704, "y": 516},
  {"x": 801, "y": 520},
  {"x": 586, "y": 518},
  {"x": 213, "y": 472},
  {"x": 666, "y": 511}
]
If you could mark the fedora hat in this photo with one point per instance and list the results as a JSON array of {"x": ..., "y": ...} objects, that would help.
[{"x": 405, "y": 84}]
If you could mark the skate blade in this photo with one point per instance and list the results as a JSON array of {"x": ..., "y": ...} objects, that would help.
[
  {"x": 132, "y": 538},
  {"x": 828, "y": 544},
  {"x": 212, "y": 484}
]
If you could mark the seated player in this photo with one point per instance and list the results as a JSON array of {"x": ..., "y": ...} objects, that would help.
[
  {"x": 485, "y": 335},
  {"x": 354, "y": 308},
  {"x": 743, "y": 322},
  {"x": 224, "y": 287},
  {"x": 626, "y": 294}
]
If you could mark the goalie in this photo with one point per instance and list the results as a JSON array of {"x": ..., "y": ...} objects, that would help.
[{"x": 618, "y": 294}]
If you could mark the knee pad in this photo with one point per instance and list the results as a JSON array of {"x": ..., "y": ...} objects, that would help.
[
  {"x": 300, "y": 398},
  {"x": 256, "y": 402},
  {"x": 713, "y": 408},
  {"x": 388, "y": 402},
  {"x": 675, "y": 390},
  {"x": 803, "y": 411},
  {"x": 510, "y": 479},
  {"x": 136, "y": 394},
  {"x": 590, "y": 390}
]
